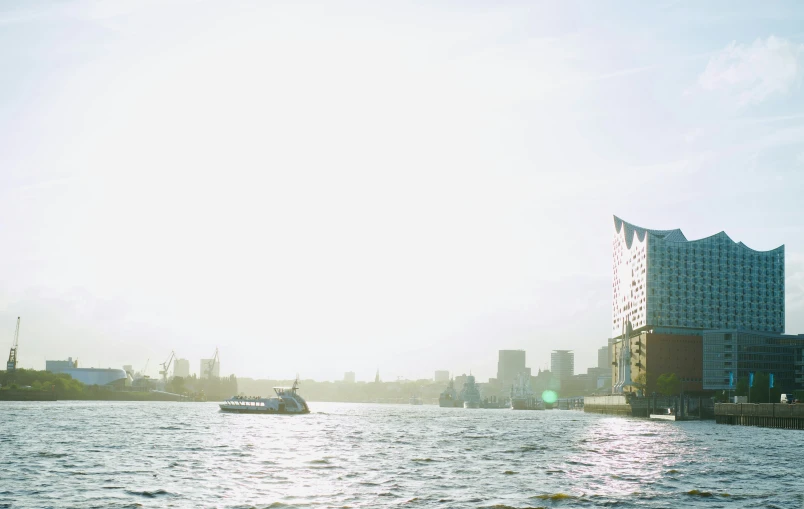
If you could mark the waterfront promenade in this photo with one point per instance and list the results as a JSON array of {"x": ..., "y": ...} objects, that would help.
[{"x": 766, "y": 415}]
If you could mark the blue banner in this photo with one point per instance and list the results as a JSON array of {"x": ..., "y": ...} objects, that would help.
[
  {"x": 731, "y": 378},
  {"x": 750, "y": 379},
  {"x": 771, "y": 380}
]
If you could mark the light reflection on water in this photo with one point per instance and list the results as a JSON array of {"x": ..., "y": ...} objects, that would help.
[{"x": 101, "y": 454}]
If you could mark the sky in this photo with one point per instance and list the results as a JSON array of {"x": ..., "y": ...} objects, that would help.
[{"x": 321, "y": 187}]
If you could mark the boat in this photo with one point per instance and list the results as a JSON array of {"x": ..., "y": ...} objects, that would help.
[
  {"x": 449, "y": 398},
  {"x": 470, "y": 393},
  {"x": 522, "y": 397},
  {"x": 416, "y": 400},
  {"x": 286, "y": 401},
  {"x": 495, "y": 402}
]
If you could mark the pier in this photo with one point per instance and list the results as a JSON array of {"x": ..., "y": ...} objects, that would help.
[
  {"x": 766, "y": 415},
  {"x": 618, "y": 404}
]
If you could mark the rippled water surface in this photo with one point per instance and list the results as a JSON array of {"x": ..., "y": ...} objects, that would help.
[{"x": 107, "y": 454}]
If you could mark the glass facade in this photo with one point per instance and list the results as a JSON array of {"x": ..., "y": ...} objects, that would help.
[
  {"x": 728, "y": 353},
  {"x": 666, "y": 283}
]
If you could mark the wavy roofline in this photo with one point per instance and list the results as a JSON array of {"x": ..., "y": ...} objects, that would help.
[{"x": 676, "y": 235}]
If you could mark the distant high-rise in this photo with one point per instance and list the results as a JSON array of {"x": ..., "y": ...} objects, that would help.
[
  {"x": 667, "y": 284},
  {"x": 205, "y": 372},
  {"x": 181, "y": 367},
  {"x": 441, "y": 376},
  {"x": 511, "y": 364},
  {"x": 562, "y": 364},
  {"x": 603, "y": 357},
  {"x": 349, "y": 377}
]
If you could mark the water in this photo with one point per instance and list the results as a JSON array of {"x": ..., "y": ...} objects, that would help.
[{"x": 108, "y": 454}]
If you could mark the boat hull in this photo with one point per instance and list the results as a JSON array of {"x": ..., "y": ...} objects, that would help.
[
  {"x": 526, "y": 404},
  {"x": 471, "y": 404},
  {"x": 260, "y": 411}
]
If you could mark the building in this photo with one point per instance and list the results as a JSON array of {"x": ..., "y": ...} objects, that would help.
[
  {"x": 210, "y": 368},
  {"x": 652, "y": 355},
  {"x": 730, "y": 355},
  {"x": 665, "y": 283},
  {"x": 510, "y": 365},
  {"x": 604, "y": 358},
  {"x": 89, "y": 376},
  {"x": 349, "y": 377},
  {"x": 562, "y": 364},
  {"x": 58, "y": 366},
  {"x": 441, "y": 376},
  {"x": 181, "y": 367},
  {"x": 599, "y": 379}
]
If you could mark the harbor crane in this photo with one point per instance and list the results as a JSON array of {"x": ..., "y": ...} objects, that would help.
[
  {"x": 166, "y": 366},
  {"x": 11, "y": 365},
  {"x": 210, "y": 369}
]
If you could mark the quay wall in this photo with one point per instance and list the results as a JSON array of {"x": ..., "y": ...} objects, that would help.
[
  {"x": 614, "y": 404},
  {"x": 766, "y": 415},
  {"x": 618, "y": 404}
]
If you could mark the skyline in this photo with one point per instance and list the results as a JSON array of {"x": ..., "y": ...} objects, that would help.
[{"x": 318, "y": 189}]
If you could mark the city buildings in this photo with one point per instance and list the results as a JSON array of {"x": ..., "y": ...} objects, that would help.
[
  {"x": 731, "y": 355},
  {"x": 562, "y": 364},
  {"x": 209, "y": 368},
  {"x": 665, "y": 286},
  {"x": 604, "y": 358},
  {"x": 510, "y": 365},
  {"x": 181, "y": 367},
  {"x": 665, "y": 283},
  {"x": 652, "y": 355},
  {"x": 441, "y": 376},
  {"x": 349, "y": 377},
  {"x": 89, "y": 376}
]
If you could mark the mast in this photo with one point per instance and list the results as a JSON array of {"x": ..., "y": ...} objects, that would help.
[{"x": 11, "y": 365}]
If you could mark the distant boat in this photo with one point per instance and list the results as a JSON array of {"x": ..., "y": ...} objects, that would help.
[
  {"x": 416, "y": 400},
  {"x": 495, "y": 402},
  {"x": 286, "y": 401},
  {"x": 449, "y": 398},
  {"x": 470, "y": 393},
  {"x": 522, "y": 397}
]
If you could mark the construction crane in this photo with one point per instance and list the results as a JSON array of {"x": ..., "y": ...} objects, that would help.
[
  {"x": 12, "y": 355},
  {"x": 211, "y": 365},
  {"x": 145, "y": 368},
  {"x": 166, "y": 366}
]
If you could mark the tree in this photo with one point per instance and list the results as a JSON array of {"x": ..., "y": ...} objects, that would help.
[
  {"x": 640, "y": 382},
  {"x": 668, "y": 384},
  {"x": 741, "y": 389}
]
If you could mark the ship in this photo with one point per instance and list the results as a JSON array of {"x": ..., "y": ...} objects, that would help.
[
  {"x": 495, "y": 402},
  {"x": 286, "y": 401},
  {"x": 449, "y": 398},
  {"x": 470, "y": 393},
  {"x": 522, "y": 397}
]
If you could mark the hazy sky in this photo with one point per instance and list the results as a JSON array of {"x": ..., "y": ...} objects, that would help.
[{"x": 346, "y": 186}]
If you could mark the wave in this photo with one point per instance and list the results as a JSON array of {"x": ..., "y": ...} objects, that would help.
[{"x": 150, "y": 494}]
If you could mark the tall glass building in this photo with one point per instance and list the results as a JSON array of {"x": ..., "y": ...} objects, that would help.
[{"x": 670, "y": 285}]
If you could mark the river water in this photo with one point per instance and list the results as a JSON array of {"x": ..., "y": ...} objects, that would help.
[{"x": 133, "y": 454}]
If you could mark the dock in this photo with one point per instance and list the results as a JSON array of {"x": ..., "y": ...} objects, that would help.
[{"x": 766, "y": 415}]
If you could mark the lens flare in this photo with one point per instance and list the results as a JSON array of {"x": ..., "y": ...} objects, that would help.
[{"x": 549, "y": 397}]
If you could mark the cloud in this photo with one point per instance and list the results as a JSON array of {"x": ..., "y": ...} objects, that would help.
[{"x": 754, "y": 72}]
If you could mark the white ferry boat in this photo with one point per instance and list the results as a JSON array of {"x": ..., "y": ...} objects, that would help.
[{"x": 286, "y": 401}]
